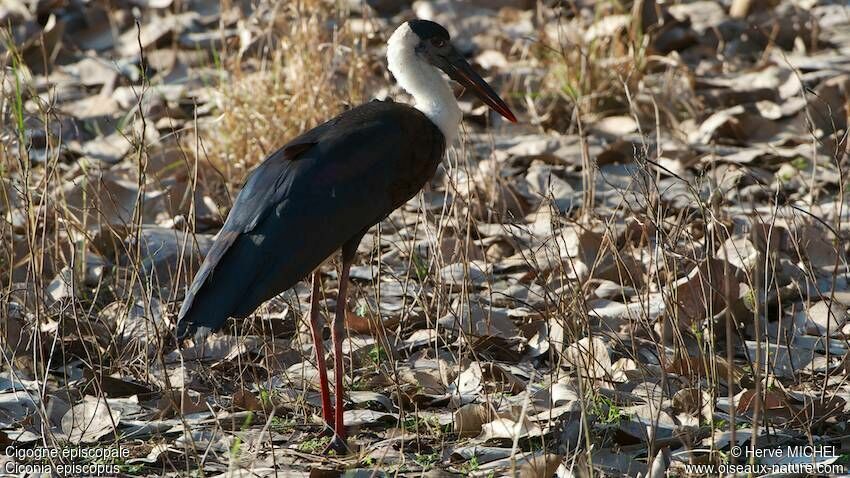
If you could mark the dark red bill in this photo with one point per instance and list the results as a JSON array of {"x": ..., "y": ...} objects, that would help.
[{"x": 463, "y": 73}]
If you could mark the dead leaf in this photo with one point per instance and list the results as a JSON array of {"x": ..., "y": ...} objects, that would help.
[
  {"x": 181, "y": 402},
  {"x": 591, "y": 357},
  {"x": 540, "y": 466},
  {"x": 112, "y": 387},
  {"x": 89, "y": 421},
  {"x": 773, "y": 403},
  {"x": 826, "y": 317},
  {"x": 374, "y": 326},
  {"x": 245, "y": 400},
  {"x": 477, "y": 319},
  {"x": 616, "y": 126},
  {"x": 706, "y": 291},
  {"x": 469, "y": 419},
  {"x": 505, "y": 428},
  {"x": 467, "y": 385},
  {"x": 368, "y": 417}
]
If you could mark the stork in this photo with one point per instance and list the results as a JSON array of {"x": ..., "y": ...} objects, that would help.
[{"x": 323, "y": 190}]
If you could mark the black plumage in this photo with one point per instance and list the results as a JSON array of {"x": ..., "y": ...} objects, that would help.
[
  {"x": 323, "y": 190},
  {"x": 427, "y": 30},
  {"x": 320, "y": 192}
]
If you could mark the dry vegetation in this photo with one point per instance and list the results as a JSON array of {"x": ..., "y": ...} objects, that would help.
[{"x": 649, "y": 269}]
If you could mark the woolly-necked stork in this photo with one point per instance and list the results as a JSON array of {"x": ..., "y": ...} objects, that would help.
[{"x": 324, "y": 189}]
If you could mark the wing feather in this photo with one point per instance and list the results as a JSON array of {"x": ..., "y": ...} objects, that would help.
[{"x": 304, "y": 202}]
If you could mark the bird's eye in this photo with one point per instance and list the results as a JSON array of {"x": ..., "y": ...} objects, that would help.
[{"x": 438, "y": 42}]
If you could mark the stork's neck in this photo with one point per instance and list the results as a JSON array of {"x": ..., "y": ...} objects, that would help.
[{"x": 431, "y": 92}]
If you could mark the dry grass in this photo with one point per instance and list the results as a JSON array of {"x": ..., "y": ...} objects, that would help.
[
  {"x": 308, "y": 72},
  {"x": 593, "y": 71},
  {"x": 307, "y": 64}
]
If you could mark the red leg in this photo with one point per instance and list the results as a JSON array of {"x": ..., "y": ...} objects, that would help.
[
  {"x": 316, "y": 330},
  {"x": 338, "y": 443}
]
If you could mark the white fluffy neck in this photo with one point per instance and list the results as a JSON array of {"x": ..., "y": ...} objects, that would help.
[{"x": 431, "y": 92}]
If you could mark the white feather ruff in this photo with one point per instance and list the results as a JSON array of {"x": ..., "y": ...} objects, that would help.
[{"x": 431, "y": 92}]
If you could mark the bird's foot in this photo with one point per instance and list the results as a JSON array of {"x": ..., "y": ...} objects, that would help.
[{"x": 338, "y": 446}]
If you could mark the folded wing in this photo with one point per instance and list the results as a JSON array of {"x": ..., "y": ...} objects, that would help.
[{"x": 304, "y": 202}]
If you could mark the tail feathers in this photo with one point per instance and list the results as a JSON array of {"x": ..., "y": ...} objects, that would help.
[
  {"x": 186, "y": 329},
  {"x": 197, "y": 322}
]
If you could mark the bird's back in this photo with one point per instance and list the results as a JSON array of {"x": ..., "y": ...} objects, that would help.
[{"x": 305, "y": 201}]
